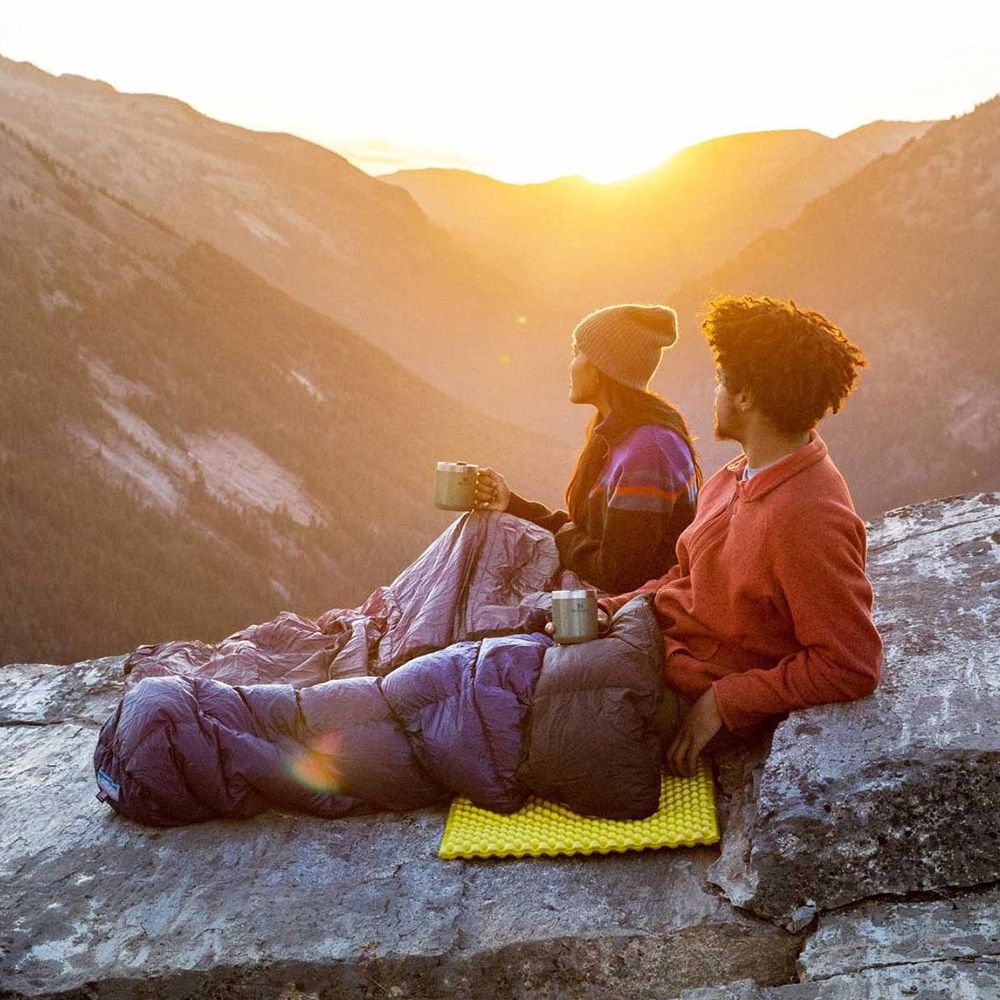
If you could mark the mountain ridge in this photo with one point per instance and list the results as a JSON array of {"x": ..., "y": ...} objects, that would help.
[
  {"x": 645, "y": 237},
  {"x": 301, "y": 216}
]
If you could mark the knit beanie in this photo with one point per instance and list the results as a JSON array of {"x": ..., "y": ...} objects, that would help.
[{"x": 626, "y": 341}]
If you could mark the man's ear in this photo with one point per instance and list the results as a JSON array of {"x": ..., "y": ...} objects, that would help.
[{"x": 744, "y": 401}]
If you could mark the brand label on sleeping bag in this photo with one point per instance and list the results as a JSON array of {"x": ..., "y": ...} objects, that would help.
[{"x": 108, "y": 786}]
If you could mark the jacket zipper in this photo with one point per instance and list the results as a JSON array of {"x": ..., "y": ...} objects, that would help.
[
  {"x": 731, "y": 506},
  {"x": 718, "y": 516}
]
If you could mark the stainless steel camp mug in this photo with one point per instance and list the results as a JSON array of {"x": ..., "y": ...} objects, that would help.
[
  {"x": 455, "y": 486},
  {"x": 574, "y": 615}
]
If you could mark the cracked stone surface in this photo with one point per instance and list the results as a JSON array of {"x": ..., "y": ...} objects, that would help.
[
  {"x": 973, "y": 980},
  {"x": 961, "y": 926},
  {"x": 896, "y": 793}
]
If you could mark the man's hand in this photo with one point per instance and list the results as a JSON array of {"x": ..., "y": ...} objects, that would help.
[{"x": 698, "y": 727}]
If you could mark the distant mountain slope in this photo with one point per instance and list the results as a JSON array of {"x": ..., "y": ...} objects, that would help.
[
  {"x": 905, "y": 257},
  {"x": 185, "y": 449},
  {"x": 578, "y": 242},
  {"x": 300, "y": 216},
  {"x": 579, "y": 246}
]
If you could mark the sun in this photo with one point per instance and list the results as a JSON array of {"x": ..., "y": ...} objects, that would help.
[
  {"x": 611, "y": 165},
  {"x": 610, "y": 155},
  {"x": 603, "y": 164},
  {"x": 616, "y": 170}
]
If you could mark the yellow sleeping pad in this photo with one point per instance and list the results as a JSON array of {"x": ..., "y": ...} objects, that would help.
[{"x": 686, "y": 817}]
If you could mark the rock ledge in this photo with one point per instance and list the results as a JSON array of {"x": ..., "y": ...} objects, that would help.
[{"x": 892, "y": 796}]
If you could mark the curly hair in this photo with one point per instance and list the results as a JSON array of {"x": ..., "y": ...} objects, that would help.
[{"x": 794, "y": 362}]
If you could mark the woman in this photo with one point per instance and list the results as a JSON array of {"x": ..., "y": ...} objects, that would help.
[
  {"x": 631, "y": 495},
  {"x": 636, "y": 481},
  {"x": 494, "y": 717}
]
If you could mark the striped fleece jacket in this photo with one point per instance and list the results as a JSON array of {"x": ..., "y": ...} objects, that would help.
[{"x": 642, "y": 498}]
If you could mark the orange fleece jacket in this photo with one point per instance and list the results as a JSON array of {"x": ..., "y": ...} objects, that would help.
[{"x": 769, "y": 603}]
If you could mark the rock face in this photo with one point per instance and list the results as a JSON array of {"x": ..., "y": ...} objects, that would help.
[
  {"x": 897, "y": 793},
  {"x": 978, "y": 980},
  {"x": 939, "y": 948},
  {"x": 292, "y": 907}
]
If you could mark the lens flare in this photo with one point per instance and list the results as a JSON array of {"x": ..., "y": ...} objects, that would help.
[{"x": 315, "y": 766}]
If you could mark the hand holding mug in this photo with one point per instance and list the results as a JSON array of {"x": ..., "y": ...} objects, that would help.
[{"x": 492, "y": 491}]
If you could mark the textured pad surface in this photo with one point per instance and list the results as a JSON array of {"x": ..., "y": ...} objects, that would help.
[{"x": 686, "y": 817}]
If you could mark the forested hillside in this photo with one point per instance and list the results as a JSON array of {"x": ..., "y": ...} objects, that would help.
[{"x": 185, "y": 449}]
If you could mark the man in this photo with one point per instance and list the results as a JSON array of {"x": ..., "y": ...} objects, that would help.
[{"x": 768, "y": 609}]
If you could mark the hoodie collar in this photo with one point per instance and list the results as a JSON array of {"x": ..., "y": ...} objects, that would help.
[
  {"x": 779, "y": 472},
  {"x": 612, "y": 427}
]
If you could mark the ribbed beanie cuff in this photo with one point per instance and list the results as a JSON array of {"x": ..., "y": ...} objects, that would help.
[{"x": 626, "y": 341}]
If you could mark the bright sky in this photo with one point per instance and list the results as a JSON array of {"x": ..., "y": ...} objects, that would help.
[{"x": 525, "y": 89}]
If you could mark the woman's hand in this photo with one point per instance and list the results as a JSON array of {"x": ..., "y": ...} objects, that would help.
[{"x": 492, "y": 491}]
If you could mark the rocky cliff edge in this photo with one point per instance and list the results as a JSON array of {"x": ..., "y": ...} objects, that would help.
[{"x": 860, "y": 858}]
